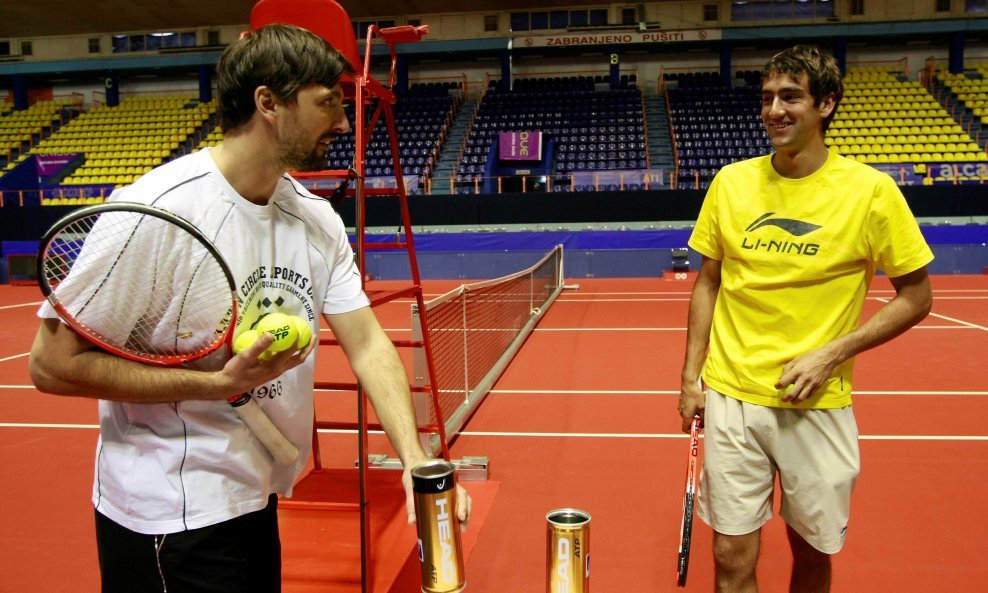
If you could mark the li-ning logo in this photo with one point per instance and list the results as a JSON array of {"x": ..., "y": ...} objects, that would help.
[{"x": 796, "y": 228}]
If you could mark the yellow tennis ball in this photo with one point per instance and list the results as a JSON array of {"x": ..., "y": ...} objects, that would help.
[
  {"x": 245, "y": 340},
  {"x": 281, "y": 327},
  {"x": 304, "y": 330}
]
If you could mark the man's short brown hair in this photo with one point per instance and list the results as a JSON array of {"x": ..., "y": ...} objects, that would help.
[{"x": 283, "y": 58}]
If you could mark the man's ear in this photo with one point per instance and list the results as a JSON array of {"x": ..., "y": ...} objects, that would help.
[
  {"x": 265, "y": 102},
  {"x": 828, "y": 105}
]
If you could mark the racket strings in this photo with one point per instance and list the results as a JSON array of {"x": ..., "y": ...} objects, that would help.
[{"x": 140, "y": 284}]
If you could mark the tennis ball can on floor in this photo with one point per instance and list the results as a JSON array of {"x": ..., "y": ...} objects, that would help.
[
  {"x": 567, "y": 551},
  {"x": 440, "y": 550}
]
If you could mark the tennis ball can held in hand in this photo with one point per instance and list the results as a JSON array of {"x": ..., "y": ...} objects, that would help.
[
  {"x": 440, "y": 550},
  {"x": 567, "y": 551}
]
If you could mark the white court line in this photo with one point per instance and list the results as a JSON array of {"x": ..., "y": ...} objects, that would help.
[
  {"x": 566, "y": 295},
  {"x": 682, "y": 329},
  {"x": 15, "y": 356},
  {"x": 598, "y": 435},
  {"x": 586, "y": 391},
  {"x": 673, "y": 292},
  {"x": 386, "y": 330},
  {"x": 646, "y": 435},
  {"x": 634, "y": 392},
  {"x": 36, "y": 304},
  {"x": 579, "y": 329},
  {"x": 676, "y": 392},
  {"x": 39, "y": 425},
  {"x": 968, "y": 324},
  {"x": 591, "y": 299},
  {"x": 939, "y": 316}
]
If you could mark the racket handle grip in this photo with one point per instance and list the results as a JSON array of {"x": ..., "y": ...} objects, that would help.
[{"x": 283, "y": 451}]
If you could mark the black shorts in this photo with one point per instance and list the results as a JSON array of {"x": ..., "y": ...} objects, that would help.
[{"x": 242, "y": 555}]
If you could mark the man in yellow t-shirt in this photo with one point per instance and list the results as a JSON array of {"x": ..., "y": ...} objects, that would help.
[{"x": 790, "y": 243}]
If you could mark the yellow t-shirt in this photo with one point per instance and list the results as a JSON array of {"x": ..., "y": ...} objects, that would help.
[{"x": 797, "y": 257}]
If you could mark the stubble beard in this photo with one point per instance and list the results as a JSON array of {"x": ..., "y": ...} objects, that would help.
[{"x": 296, "y": 157}]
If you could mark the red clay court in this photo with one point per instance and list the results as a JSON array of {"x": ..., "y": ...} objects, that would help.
[{"x": 584, "y": 417}]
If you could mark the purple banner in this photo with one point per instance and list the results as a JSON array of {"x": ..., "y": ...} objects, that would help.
[
  {"x": 52, "y": 164},
  {"x": 520, "y": 146}
]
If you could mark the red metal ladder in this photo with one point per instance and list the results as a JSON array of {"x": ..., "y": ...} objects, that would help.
[{"x": 330, "y": 21}]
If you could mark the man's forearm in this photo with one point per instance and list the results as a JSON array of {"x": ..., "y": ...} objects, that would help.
[
  {"x": 702, "y": 301},
  {"x": 910, "y": 305},
  {"x": 383, "y": 376},
  {"x": 63, "y": 363}
]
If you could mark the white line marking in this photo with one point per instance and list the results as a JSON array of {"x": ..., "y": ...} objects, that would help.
[
  {"x": 971, "y": 325},
  {"x": 671, "y": 392},
  {"x": 583, "y": 295},
  {"x": 920, "y": 393},
  {"x": 628, "y": 391},
  {"x": 630, "y": 297},
  {"x": 645, "y": 435},
  {"x": 560, "y": 329},
  {"x": 935, "y": 290},
  {"x": 590, "y": 299},
  {"x": 610, "y": 435},
  {"x": 15, "y": 356},
  {"x": 682, "y": 329},
  {"x": 36, "y": 304},
  {"x": 920, "y": 437},
  {"x": 38, "y": 425},
  {"x": 586, "y": 391},
  {"x": 938, "y": 316}
]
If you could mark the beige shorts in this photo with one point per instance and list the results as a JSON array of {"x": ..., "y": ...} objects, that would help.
[{"x": 814, "y": 452}]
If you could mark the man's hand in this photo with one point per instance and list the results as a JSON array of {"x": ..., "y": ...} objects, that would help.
[
  {"x": 806, "y": 374},
  {"x": 464, "y": 504},
  {"x": 692, "y": 401},
  {"x": 246, "y": 370}
]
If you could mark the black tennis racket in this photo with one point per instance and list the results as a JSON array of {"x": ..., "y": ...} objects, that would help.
[
  {"x": 146, "y": 285},
  {"x": 686, "y": 529}
]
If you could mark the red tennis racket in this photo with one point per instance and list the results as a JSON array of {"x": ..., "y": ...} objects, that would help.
[
  {"x": 686, "y": 529},
  {"x": 146, "y": 285}
]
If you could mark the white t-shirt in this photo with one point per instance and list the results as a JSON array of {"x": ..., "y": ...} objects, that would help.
[{"x": 163, "y": 468}]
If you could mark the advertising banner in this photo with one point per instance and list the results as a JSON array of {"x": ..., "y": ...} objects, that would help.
[{"x": 520, "y": 146}]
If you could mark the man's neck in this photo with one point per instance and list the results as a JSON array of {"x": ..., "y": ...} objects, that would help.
[
  {"x": 248, "y": 164},
  {"x": 801, "y": 163}
]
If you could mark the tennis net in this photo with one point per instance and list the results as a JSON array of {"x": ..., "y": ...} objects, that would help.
[{"x": 474, "y": 332}]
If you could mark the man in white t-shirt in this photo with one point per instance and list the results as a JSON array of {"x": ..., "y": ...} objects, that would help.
[{"x": 185, "y": 496}]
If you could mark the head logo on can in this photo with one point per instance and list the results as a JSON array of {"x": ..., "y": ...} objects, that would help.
[
  {"x": 562, "y": 566},
  {"x": 445, "y": 539}
]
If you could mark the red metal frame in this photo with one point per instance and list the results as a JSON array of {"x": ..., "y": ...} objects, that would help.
[{"x": 331, "y": 22}]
